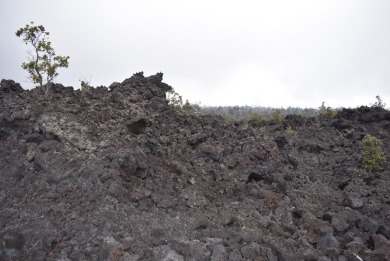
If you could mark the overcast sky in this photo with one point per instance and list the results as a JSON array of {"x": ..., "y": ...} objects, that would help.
[{"x": 266, "y": 53}]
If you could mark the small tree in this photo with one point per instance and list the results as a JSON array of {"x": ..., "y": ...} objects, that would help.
[
  {"x": 188, "y": 108},
  {"x": 379, "y": 103},
  {"x": 175, "y": 100},
  {"x": 374, "y": 158},
  {"x": 42, "y": 62},
  {"x": 326, "y": 112},
  {"x": 85, "y": 84}
]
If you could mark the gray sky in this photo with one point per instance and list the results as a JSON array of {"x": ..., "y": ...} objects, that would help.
[{"x": 266, "y": 53}]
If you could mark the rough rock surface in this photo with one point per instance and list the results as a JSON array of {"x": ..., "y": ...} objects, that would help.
[{"x": 115, "y": 174}]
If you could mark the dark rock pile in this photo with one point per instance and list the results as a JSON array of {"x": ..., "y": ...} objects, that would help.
[{"x": 116, "y": 174}]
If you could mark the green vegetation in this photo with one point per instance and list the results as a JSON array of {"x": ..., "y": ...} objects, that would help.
[
  {"x": 374, "y": 158},
  {"x": 42, "y": 62},
  {"x": 289, "y": 131},
  {"x": 256, "y": 120},
  {"x": 277, "y": 115},
  {"x": 85, "y": 84},
  {"x": 176, "y": 102},
  {"x": 239, "y": 113},
  {"x": 326, "y": 112}
]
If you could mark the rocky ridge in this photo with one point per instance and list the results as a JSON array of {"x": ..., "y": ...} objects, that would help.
[{"x": 116, "y": 174}]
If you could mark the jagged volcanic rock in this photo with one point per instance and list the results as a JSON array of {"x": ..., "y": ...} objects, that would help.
[{"x": 116, "y": 174}]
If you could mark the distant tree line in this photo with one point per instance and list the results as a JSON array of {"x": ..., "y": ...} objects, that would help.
[{"x": 236, "y": 113}]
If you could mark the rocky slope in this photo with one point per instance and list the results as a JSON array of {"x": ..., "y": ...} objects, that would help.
[{"x": 115, "y": 174}]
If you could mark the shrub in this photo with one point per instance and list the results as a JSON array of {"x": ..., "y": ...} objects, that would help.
[
  {"x": 326, "y": 112},
  {"x": 289, "y": 131},
  {"x": 175, "y": 100},
  {"x": 43, "y": 62},
  {"x": 188, "y": 108},
  {"x": 85, "y": 84},
  {"x": 277, "y": 115},
  {"x": 374, "y": 158},
  {"x": 256, "y": 120}
]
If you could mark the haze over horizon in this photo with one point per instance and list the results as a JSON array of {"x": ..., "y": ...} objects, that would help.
[{"x": 263, "y": 53}]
